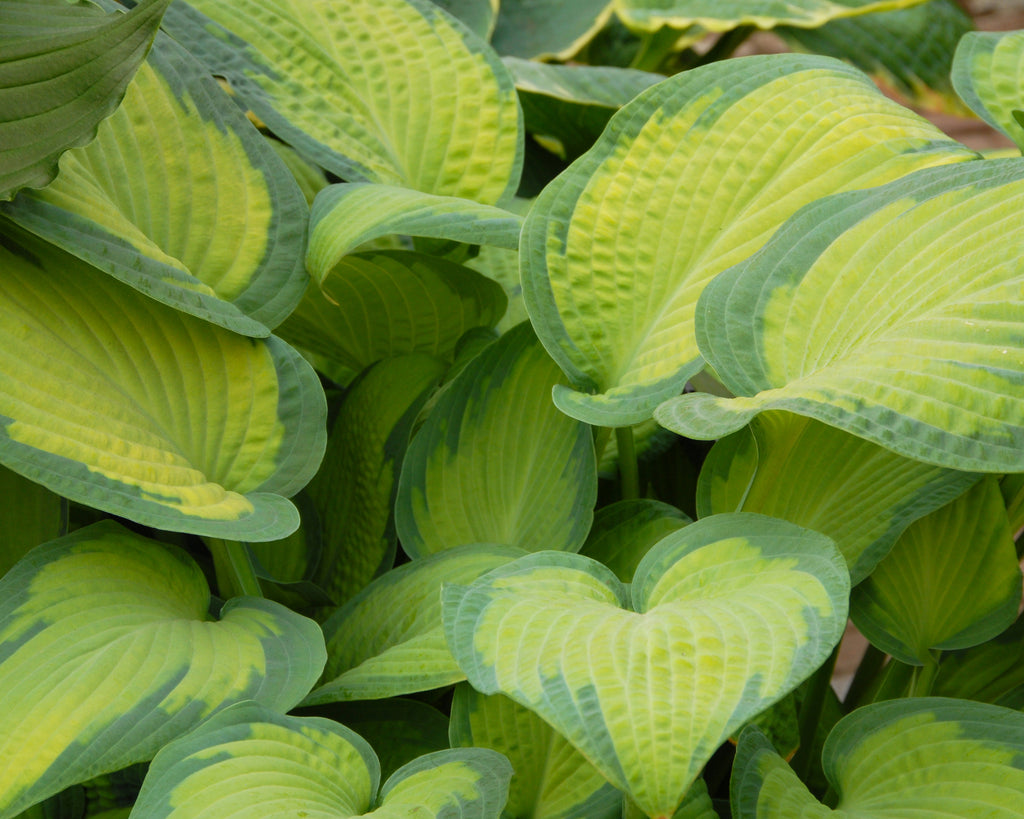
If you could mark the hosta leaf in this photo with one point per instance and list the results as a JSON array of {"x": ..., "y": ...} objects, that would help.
[
  {"x": 552, "y": 779},
  {"x": 390, "y": 91},
  {"x": 346, "y": 216},
  {"x": 722, "y": 15},
  {"x": 30, "y": 514},
  {"x": 724, "y": 617},
  {"x": 380, "y": 304},
  {"x": 546, "y": 29},
  {"x": 496, "y": 462},
  {"x": 991, "y": 672},
  {"x": 988, "y": 74},
  {"x": 573, "y": 103},
  {"x": 692, "y": 176},
  {"x": 855, "y": 314},
  {"x": 107, "y": 652},
  {"x": 388, "y": 640},
  {"x": 251, "y": 761},
  {"x": 398, "y": 729},
  {"x": 117, "y": 401},
  {"x": 180, "y": 197},
  {"x": 859, "y": 494},
  {"x": 478, "y": 15},
  {"x": 910, "y": 49},
  {"x": 64, "y": 68},
  {"x": 1012, "y": 487},
  {"x": 354, "y": 492},
  {"x": 951, "y": 581},
  {"x": 502, "y": 266},
  {"x": 623, "y": 532},
  {"x": 911, "y": 757},
  {"x": 696, "y": 805}
]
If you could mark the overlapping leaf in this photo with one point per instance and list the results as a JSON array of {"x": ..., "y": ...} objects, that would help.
[
  {"x": 623, "y": 532},
  {"x": 859, "y": 494},
  {"x": 388, "y": 639},
  {"x": 390, "y": 91},
  {"x": 988, "y": 73},
  {"x": 547, "y": 28},
  {"x": 991, "y": 672},
  {"x": 180, "y": 197},
  {"x": 910, "y": 757},
  {"x": 250, "y": 760},
  {"x": 692, "y": 176},
  {"x": 107, "y": 652},
  {"x": 552, "y": 779},
  {"x": 117, "y": 401},
  {"x": 380, "y": 304},
  {"x": 893, "y": 313},
  {"x": 724, "y": 617},
  {"x": 354, "y": 492},
  {"x": 64, "y": 67},
  {"x": 496, "y": 462},
  {"x": 950, "y": 581}
]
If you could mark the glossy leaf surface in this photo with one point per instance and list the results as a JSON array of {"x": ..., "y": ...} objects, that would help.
[
  {"x": 692, "y": 176},
  {"x": 723, "y": 618},
  {"x": 856, "y": 314},
  {"x": 107, "y": 652},
  {"x": 117, "y": 401},
  {"x": 496, "y": 462}
]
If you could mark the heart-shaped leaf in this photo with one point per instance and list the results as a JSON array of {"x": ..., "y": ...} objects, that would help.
[
  {"x": 381, "y": 304},
  {"x": 552, "y": 779},
  {"x": 724, "y": 617},
  {"x": 496, "y": 462},
  {"x": 346, "y": 216},
  {"x": 390, "y": 91},
  {"x": 988, "y": 74},
  {"x": 251, "y": 761},
  {"x": 388, "y": 640},
  {"x": 64, "y": 68},
  {"x": 107, "y": 652},
  {"x": 182, "y": 198},
  {"x": 855, "y": 315},
  {"x": 950, "y": 581},
  {"x": 859, "y": 494},
  {"x": 692, "y": 176},
  {"x": 910, "y": 757},
  {"x": 119, "y": 402}
]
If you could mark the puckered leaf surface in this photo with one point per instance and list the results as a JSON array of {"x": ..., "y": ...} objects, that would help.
[
  {"x": 183, "y": 199},
  {"x": 692, "y": 176},
  {"x": 894, "y": 313},
  {"x": 390, "y": 91},
  {"x": 723, "y": 618},
  {"x": 107, "y": 652},
  {"x": 119, "y": 402}
]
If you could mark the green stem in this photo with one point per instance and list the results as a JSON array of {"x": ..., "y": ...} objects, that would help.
[
  {"x": 629, "y": 472},
  {"x": 655, "y": 47},
  {"x": 864, "y": 677},
  {"x": 924, "y": 676},
  {"x": 726, "y": 44},
  {"x": 894, "y": 682},
  {"x": 810, "y": 714},
  {"x": 236, "y": 576}
]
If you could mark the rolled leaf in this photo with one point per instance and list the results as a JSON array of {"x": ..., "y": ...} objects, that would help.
[
  {"x": 381, "y": 304},
  {"x": 950, "y": 581},
  {"x": 388, "y": 640},
  {"x": 922, "y": 756},
  {"x": 182, "y": 198},
  {"x": 119, "y": 402},
  {"x": 496, "y": 462},
  {"x": 348, "y": 215},
  {"x": 692, "y": 176},
  {"x": 856, "y": 314},
  {"x": 107, "y": 652},
  {"x": 64, "y": 68},
  {"x": 988, "y": 74},
  {"x": 251, "y": 760},
  {"x": 859, "y": 494},
  {"x": 723, "y": 618},
  {"x": 552, "y": 779},
  {"x": 393, "y": 91}
]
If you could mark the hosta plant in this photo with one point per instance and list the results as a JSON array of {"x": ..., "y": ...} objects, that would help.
[{"x": 486, "y": 409}]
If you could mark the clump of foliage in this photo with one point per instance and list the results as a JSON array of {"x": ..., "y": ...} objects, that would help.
[{"x": 285, "y": 286}]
